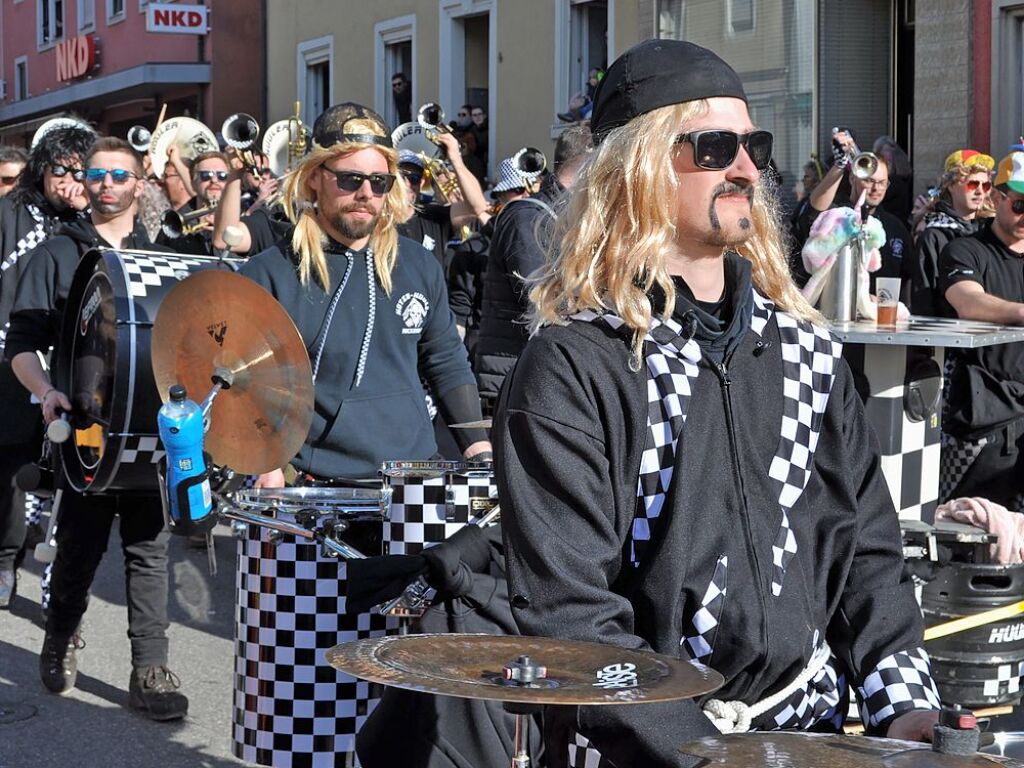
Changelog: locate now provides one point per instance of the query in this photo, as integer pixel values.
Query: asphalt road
(91, 726)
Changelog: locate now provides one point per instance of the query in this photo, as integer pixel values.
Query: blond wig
(309, 238)
(613, 241)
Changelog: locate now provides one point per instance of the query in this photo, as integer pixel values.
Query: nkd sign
(76, 57)
(177, 19)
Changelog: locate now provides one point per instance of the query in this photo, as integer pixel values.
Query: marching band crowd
(546, 299)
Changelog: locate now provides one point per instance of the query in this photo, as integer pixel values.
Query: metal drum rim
(428, 468)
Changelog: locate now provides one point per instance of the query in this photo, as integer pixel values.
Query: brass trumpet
(175, 225)
(436, 170)
(863, 165)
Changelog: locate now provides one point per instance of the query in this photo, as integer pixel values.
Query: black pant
(83, 528)
(996, 473)
(12, 501)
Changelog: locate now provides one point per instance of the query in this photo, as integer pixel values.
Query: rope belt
(736, 717)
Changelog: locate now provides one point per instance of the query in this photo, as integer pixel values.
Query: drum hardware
(815, 750)
(523, 672)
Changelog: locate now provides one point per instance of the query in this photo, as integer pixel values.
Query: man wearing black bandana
(683, 462)
(371, 306)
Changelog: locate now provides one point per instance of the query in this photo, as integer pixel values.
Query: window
(741, 17)
(588, 44)
(86, 15)
(115, 11)
(51, 22)
(315, 87)
(394, 57)
(670, 19)
(1007, 115)
(21, 78)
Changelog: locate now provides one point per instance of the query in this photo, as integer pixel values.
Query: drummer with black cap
(682, 459)
(370, 305)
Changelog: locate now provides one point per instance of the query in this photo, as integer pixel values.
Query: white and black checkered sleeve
(899, 683)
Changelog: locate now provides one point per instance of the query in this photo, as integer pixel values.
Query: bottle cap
(178, 393)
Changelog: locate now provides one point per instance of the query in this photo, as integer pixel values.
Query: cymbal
(814, 750)
(471, 667)
(216, 318)
(482, 424)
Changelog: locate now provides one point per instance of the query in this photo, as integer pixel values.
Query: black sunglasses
(9, 179)
(60, 171)
(350, 181)
(716, 150)
(1017, 205)
(210, 175)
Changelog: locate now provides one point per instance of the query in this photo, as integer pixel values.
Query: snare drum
(291, 707)
(103, 365)
(431, 500)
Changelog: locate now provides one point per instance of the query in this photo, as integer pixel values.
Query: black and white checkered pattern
(899, 683)
(1006, 682)
(699, 632)
(824, 699)
(583, 754)
(809, 359)
(32, 238)
(150, 270)
(671, 356)
(957, 458)
(144, 449)
(429, 510)
(291, 708)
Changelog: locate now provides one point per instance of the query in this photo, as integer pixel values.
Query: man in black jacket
(518, 247)
(113, 182)
(209, 176)
(683, 462)
(371, 307)
(49, 194)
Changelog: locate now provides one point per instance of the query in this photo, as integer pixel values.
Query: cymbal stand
(523, 672)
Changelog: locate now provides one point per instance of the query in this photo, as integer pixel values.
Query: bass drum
(103, 364)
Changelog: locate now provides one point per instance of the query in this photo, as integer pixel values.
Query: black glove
(376, 580)
(451, 564)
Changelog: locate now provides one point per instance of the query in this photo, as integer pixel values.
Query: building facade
(104, 61)
(522, 60)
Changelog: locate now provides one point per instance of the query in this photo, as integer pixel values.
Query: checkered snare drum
(103, 364)
(292, 709)
(431, 500)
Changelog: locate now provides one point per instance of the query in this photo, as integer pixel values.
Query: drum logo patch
(413, 309)
(89, 310)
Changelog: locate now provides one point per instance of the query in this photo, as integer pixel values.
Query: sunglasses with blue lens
(117, 175)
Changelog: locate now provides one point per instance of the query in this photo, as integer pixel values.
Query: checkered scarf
(36, 235)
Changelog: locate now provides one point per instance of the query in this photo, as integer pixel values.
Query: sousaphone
(190, 136)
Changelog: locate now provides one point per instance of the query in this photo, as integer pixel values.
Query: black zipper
(722, 370)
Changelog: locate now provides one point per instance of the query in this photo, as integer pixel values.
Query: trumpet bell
(431, 116)
(190, 136)
(530, 162)
(864, 165)
(240, 131)
(54, 124)
(139, 136)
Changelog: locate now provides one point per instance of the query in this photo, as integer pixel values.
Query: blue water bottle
(180, 423)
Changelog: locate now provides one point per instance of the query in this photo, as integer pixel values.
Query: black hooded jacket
(571, 434)
(941, 226)
(25, 222)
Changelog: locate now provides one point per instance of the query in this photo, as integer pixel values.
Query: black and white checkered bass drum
(432, 500)
(103, 365)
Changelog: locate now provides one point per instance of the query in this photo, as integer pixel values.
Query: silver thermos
(839, 295)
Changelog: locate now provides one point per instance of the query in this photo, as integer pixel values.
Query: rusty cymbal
(815, 750)
(471, 667)
(221, 319)
(482, 424)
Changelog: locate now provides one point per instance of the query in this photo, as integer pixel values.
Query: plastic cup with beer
(887, 289)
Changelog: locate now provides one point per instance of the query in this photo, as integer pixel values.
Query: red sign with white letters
(176, 19)
(76, 57)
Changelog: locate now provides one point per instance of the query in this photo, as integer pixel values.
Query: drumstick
(974, 621)
(160, 120)
(978, 713)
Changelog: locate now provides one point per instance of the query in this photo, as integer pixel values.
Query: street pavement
(91, 726)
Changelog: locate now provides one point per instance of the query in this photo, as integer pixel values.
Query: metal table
(881, 360)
